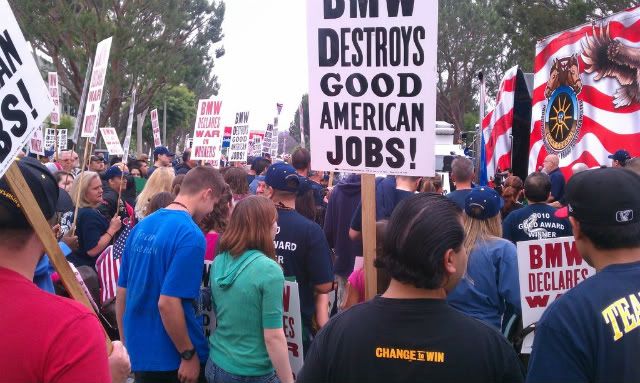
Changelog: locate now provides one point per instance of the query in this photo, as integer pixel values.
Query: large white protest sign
(547, 268)
(54, 93)
(62, 140)
(24, 97)
(292, 324)
(372, 94)
(207, 137)
(239, 138)
(111, 140)
(36, 144)
(127, 138)
(155, 126)
(94, 97)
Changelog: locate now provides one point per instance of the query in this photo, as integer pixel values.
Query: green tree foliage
(181, 114)
(294, 127)
(156, 44)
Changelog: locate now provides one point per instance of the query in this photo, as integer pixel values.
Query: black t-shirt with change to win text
(409, 340)
(303, 252)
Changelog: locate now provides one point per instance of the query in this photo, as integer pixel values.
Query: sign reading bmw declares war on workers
(372, 73)
(547, 269)
(24, 97)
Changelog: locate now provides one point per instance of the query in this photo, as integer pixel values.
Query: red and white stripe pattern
(605, 128)
(108, 269)
(497, 124)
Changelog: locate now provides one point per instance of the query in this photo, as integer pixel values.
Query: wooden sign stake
(77, 201)
(369, 234)
(43, 230)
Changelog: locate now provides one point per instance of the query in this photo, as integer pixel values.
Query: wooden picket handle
(30, 208)
(331, 177)
(78, 191)
(369, 234)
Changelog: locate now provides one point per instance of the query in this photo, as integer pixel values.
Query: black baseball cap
(43, 186)
(605, 196)
(162, 150)
(620, 155)
(95, 158)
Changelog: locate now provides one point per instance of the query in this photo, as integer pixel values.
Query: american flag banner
(108, 268)
(586, 98)
(497, 125)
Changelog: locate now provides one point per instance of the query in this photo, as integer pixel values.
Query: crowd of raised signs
(158, 241)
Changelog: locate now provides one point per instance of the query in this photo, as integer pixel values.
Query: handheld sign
(54, 90)
(62, 140)
(98, 73)
(226, 138)
(372, 99)
(155, 126)
(23, 95)
(207, 137)
(292, 324)
(547, 269)
(50, 138)
(127, 138)
(239, 138)
(36, 144)
(266, 140)
(111, 140)
(83, 101)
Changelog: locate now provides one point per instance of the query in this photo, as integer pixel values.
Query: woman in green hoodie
(246, 286)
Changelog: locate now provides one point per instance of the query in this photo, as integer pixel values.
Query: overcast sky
(265, 60)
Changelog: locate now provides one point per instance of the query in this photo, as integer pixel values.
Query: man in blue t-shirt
(537, 219)
(159, 282)
(592, 332)
(301, 247)
(462, 176)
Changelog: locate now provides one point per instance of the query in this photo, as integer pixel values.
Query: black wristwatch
(188, 354)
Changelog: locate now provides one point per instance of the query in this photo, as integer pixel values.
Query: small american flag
(108, 268)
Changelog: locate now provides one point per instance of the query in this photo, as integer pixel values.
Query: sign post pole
(369, 234)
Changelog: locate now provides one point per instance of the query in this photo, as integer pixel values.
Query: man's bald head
(551, 163)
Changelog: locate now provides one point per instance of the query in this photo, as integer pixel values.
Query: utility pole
(164, 124)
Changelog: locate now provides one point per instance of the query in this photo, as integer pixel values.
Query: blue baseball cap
(112, 172)
(282, 176)
(160, 150)
(483, 203)
(620, 156)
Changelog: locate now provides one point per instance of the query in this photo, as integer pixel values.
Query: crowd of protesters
(448, 273)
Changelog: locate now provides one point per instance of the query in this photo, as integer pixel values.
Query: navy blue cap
(48, 153)
(282, 176)
(483, 203)
(620, 155)
(162, 150)
(305, 185)
(112, 172)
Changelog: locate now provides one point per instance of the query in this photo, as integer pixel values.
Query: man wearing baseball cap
(301, 247)
(592, 332)
(96, 164)
(162, 158)
(46, 338)
(113, 180)
(619, 158)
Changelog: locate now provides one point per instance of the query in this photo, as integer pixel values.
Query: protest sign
(111, 140)
(372, 99)
(83, 100)
(23, 95)
(292, 324)
(62, 140)
(239, 138)
(94, 97)
(155, 125)
(206, 135)
(50, 138)
(205, 306)
(266, 139)
(54, 91)
(547, 269)
(250, 147)
(36, 144)
(127, 137)
(226, 138)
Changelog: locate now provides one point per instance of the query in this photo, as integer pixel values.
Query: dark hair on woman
(236, 178)
(306, 204)
(421, 230)
(60, 174)
(159, 201)
(218, 219)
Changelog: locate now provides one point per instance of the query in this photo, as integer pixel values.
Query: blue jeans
(215, 374)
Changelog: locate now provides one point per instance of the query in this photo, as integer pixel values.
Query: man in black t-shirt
(537, 219)
(592, 332)
(410, 334)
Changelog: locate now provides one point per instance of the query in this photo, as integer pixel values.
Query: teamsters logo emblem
(562, 116)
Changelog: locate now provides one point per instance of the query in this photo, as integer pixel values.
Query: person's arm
(172, 315)
(355, 229)
(278, 351)
(322, 309)
(106, 238)
(355, 235)
(508, 283)
(121, 304)
(353, 297)
(119, 364)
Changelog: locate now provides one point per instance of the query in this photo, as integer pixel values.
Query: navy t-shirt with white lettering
(592, 332)
(535, 221)
(303, 252)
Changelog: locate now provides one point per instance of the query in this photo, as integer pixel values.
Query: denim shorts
(215, 374)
